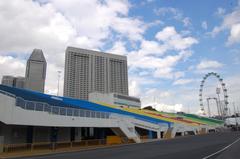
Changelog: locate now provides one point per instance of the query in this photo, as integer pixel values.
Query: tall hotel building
(91, 71)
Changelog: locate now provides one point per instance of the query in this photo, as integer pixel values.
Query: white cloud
(157, 99)
(186, 21)
(166, 10)
(220, 11)
(176, 13)
(154, 23)
(118, 48)
(164, 73)
(169, 108)
(52, 78)
(209, 64)
(171, 38)
(204, 25)
(151, 53)
(230, 22)
(150, 62)
(17, 67)
(152, 48)
(182, 81)
(145, 2)
(234, 34)
(52, 25)
(154, 95)
(179, 74)
(166, 33)
(168, 73)
(55, 24)
(233, 88)
(37, 26)
(10, 65)
(134, 88)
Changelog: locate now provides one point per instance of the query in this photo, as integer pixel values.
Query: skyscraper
(92, 71)
(36, 71)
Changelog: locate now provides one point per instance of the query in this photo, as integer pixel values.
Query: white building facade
(115, 99)
(89, 71)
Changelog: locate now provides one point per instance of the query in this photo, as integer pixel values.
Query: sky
(170, 44)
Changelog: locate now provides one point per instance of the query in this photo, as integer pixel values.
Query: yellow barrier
(114, 140)
(203, 131)
(144, 137)
(53, 146)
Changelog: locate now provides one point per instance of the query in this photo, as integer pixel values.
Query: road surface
(191, 147)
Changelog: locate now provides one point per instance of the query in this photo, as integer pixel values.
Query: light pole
(59, 76)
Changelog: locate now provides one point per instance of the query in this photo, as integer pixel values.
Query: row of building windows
(36, 106)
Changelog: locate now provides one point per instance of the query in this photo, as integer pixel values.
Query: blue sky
(170, 44)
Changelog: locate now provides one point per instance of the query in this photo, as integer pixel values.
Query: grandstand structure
(27, 116)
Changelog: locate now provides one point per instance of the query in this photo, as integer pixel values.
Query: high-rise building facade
(19, 82)
(92, 71)
(36, 71)
(12, 81)
(8, 80)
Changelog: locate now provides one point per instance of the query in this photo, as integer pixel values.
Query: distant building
(89, 71)
(115, 99)
(12, 81)
(36, 71)
(8, 80)
(19, 82)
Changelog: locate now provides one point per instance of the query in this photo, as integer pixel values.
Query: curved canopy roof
(75, 103)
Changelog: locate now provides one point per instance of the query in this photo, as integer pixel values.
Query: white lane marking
(221, 149)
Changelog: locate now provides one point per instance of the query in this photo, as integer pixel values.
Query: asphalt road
(191, 147)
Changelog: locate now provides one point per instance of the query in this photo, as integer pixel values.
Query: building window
(62, 111)
(55, 110)
(69, 112)
(39, 107)
(30, 105)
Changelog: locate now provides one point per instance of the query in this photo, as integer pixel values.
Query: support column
(150, 134)
(159, 134)
(99, 133)
(54, 133)
(78, 134)
(1, 143)
(72, 134)
(29, 137)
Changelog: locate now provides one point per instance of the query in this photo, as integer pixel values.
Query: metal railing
(7, 93)
(59, 110)
(55, 146)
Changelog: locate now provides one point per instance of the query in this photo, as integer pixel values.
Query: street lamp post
(59, 76)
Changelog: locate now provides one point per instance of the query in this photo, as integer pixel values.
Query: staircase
(125, 129)
(168, 134)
